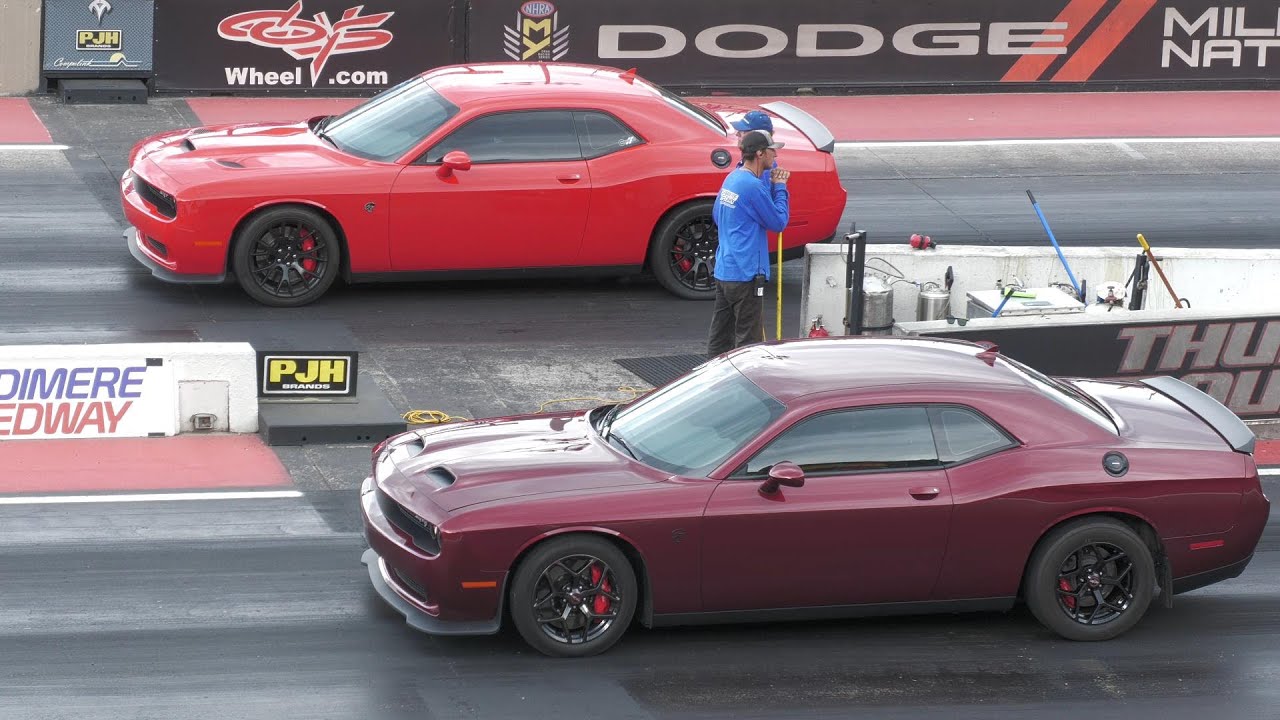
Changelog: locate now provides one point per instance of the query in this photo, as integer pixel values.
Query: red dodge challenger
(491, 169)
(818, 478)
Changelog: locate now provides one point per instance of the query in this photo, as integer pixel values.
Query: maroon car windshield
(691, 426)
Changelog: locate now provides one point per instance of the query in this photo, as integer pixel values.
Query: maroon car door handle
(571, 178)
(924, 493)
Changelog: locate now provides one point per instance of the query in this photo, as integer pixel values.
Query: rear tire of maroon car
(682, 255)
(1091, 579)
(573, 596)
(286, 256)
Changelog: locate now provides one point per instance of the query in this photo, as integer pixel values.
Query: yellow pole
(779, 286)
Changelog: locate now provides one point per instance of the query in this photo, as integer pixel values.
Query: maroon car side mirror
(455, 160)
(783, 473)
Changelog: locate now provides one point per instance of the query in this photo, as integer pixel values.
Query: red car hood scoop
(503, 460)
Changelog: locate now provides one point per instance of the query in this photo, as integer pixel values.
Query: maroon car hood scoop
(510, 459)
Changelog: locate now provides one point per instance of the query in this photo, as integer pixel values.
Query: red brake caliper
(1070, 600)
(601, 604)
(308, 244)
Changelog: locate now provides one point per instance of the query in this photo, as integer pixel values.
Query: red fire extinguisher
(816, 329)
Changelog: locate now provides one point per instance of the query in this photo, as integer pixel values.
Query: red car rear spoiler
(811, 126)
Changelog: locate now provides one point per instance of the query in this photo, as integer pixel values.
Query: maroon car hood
(512, 458)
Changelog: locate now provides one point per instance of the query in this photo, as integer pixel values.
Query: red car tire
(286, 256)
(682, 254)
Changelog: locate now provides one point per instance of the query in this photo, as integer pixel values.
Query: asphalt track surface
(260, 608)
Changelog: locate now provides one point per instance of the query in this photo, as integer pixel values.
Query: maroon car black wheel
(573, 596)
(576, 599)
(1095, 584)
(1091, 579)
(287, 257)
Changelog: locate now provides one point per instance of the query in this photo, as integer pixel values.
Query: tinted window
(853, 441)
(391, 123)
(600, 134)
(514, 137)
(692, 425)
(963, 435)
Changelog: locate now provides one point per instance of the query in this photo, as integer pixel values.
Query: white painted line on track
(34, 147)
(149, 497)
(1269, 471)
(1056, 141)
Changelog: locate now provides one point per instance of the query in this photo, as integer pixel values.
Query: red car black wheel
(287, 257)
(683, 254)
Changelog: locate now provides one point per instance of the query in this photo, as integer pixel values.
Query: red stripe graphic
(1076, 15)
(1081, 66)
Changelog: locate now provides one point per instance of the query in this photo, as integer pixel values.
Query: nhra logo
(537, 34)
(99, 40)
(312, 374)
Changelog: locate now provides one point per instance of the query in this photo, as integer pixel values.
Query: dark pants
(736, 319)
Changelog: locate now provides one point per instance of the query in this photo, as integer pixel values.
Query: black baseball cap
(757, 140)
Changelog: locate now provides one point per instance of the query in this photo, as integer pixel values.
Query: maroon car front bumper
(423, 588)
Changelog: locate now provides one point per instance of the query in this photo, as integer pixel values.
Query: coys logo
(537, 34)
(317, 39)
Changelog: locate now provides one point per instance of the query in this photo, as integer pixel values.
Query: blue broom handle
(1052, 239)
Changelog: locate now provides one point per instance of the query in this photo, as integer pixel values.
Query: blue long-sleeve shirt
(744, 211)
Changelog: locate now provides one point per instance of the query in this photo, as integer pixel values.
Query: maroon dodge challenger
(818, 478)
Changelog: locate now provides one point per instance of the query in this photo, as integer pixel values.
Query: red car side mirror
(783, 473)
(455, 160)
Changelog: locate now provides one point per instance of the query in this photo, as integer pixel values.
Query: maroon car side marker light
(1208, 544)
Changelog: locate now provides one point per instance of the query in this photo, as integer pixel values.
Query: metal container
(877, 306)
(934, 303)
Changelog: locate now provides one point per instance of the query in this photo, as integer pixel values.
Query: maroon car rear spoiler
(1207, 408)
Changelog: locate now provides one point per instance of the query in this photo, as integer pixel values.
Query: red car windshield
(694, 424)
(391, 123)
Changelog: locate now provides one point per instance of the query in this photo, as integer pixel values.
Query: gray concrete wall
(19, 46)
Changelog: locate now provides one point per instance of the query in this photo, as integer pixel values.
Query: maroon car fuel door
(505, 190)
(869, 525)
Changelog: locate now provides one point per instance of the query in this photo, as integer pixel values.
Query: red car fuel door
(869, 524)
(507, 190)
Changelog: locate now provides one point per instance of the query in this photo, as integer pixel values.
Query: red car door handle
(924, 493)
(571, 178)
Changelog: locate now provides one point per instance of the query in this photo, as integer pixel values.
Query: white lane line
(1269, 471)
(34, 147)
(1057, 141)
(149, 497)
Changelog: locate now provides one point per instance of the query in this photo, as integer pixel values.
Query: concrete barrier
(20, 30)
(1210, 279)
(127, 390)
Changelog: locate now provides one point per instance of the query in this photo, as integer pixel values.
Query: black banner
(298, 46)
(797, 43)
(1236, 360)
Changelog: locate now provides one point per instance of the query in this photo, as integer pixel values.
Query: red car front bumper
(170, 249)
(426, 588)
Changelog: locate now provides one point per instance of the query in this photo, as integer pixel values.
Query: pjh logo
(537, 33)
(317, 39)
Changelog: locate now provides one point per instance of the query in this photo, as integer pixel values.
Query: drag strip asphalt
(261, 609)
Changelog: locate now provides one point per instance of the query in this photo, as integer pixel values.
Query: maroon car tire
(286, 256)
(682, 254)
(1090, 580)
(559, 579)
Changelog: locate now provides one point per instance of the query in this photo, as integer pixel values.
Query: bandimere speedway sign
(60, 399)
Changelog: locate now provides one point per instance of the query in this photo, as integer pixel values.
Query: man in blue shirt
(744, 212)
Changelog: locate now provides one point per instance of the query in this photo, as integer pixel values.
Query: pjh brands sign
(298, 45)
(1234, 359)
(869, 42)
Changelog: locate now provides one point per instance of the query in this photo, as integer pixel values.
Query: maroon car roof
(791, 368)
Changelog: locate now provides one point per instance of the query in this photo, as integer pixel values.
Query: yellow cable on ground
(779, 286)
(436, 417)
